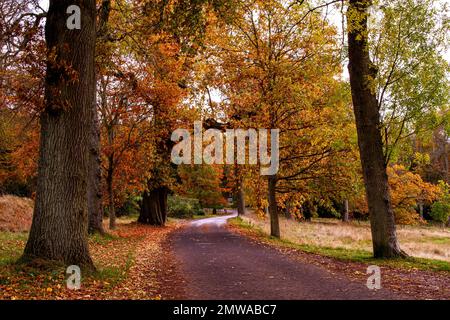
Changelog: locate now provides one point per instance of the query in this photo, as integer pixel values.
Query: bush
(180, 207)
(440, 211)
(130, 207)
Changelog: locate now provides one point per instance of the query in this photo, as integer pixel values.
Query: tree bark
(240, 198)
(154, 207)
(287, 210)
(446, 162)
(60, 220)
(109, 183)
(345, 215)
(365, 104)
(94, 184)
(273, 211)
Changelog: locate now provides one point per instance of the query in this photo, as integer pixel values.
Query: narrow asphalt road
(219, 264)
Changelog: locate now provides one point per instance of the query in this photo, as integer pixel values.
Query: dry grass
(418, 241)
(15, 213)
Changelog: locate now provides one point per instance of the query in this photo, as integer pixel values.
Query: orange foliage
(408, 190)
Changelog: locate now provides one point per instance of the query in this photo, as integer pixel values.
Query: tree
(279, 67)
(60, 221)
(367, 117)
(407, 38)
(202, 182)
(95, 209)
(21, 93)
(440, 210)
(408, 191)
(182, 23)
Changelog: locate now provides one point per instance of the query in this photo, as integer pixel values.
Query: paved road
(219, 264)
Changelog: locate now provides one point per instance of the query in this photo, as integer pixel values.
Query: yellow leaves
(407, 190)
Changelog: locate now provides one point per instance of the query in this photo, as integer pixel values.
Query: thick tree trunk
(365, 104)
(345, 215)
(60, 221)
(273, 211)
(240, 198)
(94, 188)
(154, 207)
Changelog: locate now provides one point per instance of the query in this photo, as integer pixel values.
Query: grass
(112, 274)
(113, 257)
(421, 241)
(341, 253)
(11, 246)
(102, 238)
(203, 216)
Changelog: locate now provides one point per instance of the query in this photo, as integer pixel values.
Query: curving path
(219, 264)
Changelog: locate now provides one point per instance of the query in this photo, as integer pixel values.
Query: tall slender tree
(60, 220)
(362, 73)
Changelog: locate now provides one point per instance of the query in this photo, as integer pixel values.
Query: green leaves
(408, 38)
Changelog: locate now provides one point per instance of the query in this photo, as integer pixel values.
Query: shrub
(440, 210)
(180, 207)
(130, 207)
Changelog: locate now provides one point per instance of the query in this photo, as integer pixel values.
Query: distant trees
(203, 183)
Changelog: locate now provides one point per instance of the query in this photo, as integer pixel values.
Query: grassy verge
(113, 255)
(203, 216)
(345, 254)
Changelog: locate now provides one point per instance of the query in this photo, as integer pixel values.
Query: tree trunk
(446, 162)
(94, 189)
(60, 221)
(154, 207)
(345, 215)
(421, 210)
(109, 183)
(308, 210)
(273, 211)
(240, 198)
(365, 104)
(287, 212)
